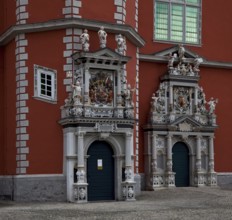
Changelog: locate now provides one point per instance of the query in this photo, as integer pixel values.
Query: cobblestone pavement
(178, 203)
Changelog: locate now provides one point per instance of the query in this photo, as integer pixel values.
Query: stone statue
(197, 62)
(102, 37)
(181, 52)
(171, 60)
(212, 105)
(121, 45)
(85, 40)
(76, 94)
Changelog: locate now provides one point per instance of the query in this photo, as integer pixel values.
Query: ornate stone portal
(99, 107)
(180, 113)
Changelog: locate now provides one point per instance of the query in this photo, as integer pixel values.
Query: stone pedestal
(170, 179)
(80, 192)
(128, 191)
(200, 179)
(212, 179)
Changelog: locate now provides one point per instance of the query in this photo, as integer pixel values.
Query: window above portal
(178, 21)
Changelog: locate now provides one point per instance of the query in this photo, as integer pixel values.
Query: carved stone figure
(181, 52)
(128, 96)
(85, 40)
(130, 192)
(128, 174)
(80, 176)
(82, 193)
(212, 105)
(197, 62)
(76, 94)
(121, 45)
(171, 60)
(102, 37)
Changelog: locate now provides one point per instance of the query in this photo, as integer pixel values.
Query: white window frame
(38, 70)
(184, 4)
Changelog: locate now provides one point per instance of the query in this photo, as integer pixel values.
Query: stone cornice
(126, 30)
(164, 59)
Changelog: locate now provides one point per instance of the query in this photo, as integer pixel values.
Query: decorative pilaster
(128, 187)
(195, 99)
(86, 90)
(212, 175)
(69, 147)
(170, 176)
(199, 177)
(171, 98)
(80, 188)
(198, 154)
(154, 154)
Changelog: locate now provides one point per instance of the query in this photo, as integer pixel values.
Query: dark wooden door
(100, 172)
(180, 159)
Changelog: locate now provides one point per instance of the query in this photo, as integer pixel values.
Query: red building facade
(46, 144)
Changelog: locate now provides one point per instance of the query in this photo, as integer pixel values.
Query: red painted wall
(9, 12)
(217, 84)
(130, 12)
(149, 78)
(1, 16)
(1, 111)
(10, 108)
(102, 10)
(43, 10)
(46, 137)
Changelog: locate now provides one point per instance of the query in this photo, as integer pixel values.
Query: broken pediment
(102, 56)
(188, 53)
(186, 124)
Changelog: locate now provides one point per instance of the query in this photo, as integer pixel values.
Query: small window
(178, 21)
(45, 83)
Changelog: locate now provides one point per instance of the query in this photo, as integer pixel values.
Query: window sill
(177, 42)
(45, 100)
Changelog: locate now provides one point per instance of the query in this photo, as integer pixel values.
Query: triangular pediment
(107, 52)
(173, 50)
(186, 123)
(102, 54)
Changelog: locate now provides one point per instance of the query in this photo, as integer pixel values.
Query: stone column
(128, 187)
(195, 97)
(154, 154)
(171, 97)
(169, 153)
(199, 177)
(212, 175)
(211, 154)
(198, 154)
(119, 89)
(86, 89)
(128, 154)
(80, 188)
(80, 158)
(170, 179)
(69, 145)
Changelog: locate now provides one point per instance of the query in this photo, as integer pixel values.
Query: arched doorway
(100, 172)
(180, 158)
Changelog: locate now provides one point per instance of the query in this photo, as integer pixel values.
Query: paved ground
(178, 203)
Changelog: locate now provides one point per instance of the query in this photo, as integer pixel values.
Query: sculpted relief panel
(101, 88)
